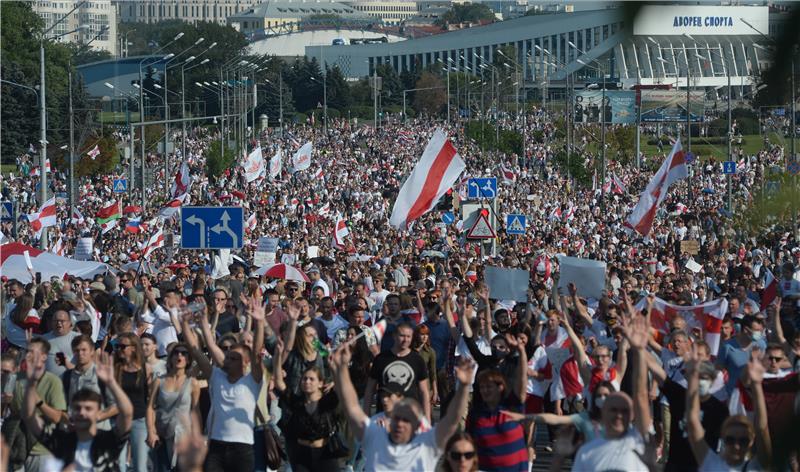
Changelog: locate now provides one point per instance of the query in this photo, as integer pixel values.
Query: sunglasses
(180, 352)
(775, 359)
(291, 289)
(123, 346)
(457, 456)
(225, 347)
(220, 299)
(742, 441)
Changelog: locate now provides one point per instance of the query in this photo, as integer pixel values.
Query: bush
(299, 118)
(362, 112)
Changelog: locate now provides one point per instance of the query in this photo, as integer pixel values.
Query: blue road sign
(212, 227)
(120, 185)
(690, 157)
(484, 187)
(7, 212)
(448, 217)
(772, 187)
(729, 167)
(793, 167)
(516, 224)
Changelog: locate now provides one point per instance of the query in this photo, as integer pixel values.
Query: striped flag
(770, 290)
(250, 224)
(379, 329)
(132, 226)
(94, 152)
(340, 232)
(156, 241)
(509, 177)
(434, 174)
(112, 211)
(108, 226)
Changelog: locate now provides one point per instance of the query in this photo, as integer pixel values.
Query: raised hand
(464, 371)
(104, 367)
(256, 309)
(754, 372)
(639, 333)
(691, 360)
(573, 290)
(483, 293)
(293, 310)
(35, 365)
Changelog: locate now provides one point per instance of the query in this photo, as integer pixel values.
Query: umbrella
(132, 209)
(323, 260)
(709, 191)
(430, 253)
(283, 271)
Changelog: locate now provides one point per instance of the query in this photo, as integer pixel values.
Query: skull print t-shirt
(408, 371)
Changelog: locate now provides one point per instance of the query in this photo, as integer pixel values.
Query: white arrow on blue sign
(729, 167)
(484, 187)
(212, 227)
(516, 224)
(448, 217)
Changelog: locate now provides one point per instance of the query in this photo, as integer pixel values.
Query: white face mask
(704, 387)
(599, 401)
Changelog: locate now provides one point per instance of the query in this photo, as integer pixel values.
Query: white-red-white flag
(173, 207)
(47, 165)
(250, 224)
(108, 226)
(340, 231)
(58, 247)
(619, 186)
(770, 292)
(182, 180)
(673, 169)
(509, 177)
(46, 216)
(434, 174)
(319, 173)
(156, 241)
(706, 317)
(77, 217)
(325, 210)
(94, 152)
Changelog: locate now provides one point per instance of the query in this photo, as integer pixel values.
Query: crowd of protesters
(395, 355)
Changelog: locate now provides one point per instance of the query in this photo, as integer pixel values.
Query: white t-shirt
(611, 454)
(162, 328)
(83, 457)
(714, 463)
(233, 407)
(421, 454)
(538, 362)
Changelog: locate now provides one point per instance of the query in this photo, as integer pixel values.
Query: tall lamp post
(43, 114)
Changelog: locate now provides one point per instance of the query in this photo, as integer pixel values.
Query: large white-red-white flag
(172, 207)
(250, 224)
(673, 169)
(156, 241)
(45, 217)
(434, 174)
(340, 231)
(509, 177)
(707, 317)
(275, 165)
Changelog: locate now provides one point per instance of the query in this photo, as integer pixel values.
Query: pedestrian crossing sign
(515, 224)
(481, 229)
(120, 185)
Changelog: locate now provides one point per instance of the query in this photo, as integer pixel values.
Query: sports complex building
(674, 45)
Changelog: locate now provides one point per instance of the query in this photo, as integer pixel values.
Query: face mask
(600, 401)
(757, 335)
(704, 387)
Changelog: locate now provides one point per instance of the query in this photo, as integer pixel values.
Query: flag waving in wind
(340, 232)
(182, 180)
(302, 158)
(434, 174)
(673, 169)
(707, 317)
(156, 241)
(94, 152)
(275, 165)
(254, 165)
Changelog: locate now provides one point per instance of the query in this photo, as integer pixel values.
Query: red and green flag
(109, 213)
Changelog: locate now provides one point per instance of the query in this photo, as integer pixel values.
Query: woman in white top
(738, 434)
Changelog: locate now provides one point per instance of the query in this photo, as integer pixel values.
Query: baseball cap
(393, 388)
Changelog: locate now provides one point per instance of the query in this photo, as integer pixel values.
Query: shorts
(534, 404)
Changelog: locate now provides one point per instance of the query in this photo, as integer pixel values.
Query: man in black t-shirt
(83, 446)
(713, 413)
(401, 365)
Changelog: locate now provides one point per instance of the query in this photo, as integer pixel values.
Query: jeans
(139, 450)
(228, 456)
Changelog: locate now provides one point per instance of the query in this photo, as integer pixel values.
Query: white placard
(507, 284)
(588, 275)
(288, 259)
(84, 249)
(692, 265)
(28, 262)
(261, 259)
(312, 251)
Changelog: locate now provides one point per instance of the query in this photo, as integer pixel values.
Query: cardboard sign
(690, 247)
(588, 275)
(507, 284)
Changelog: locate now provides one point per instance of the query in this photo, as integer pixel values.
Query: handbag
(273, 449)
(336, 447)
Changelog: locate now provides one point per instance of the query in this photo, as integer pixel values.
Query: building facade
(280, 17)
(390, 12)
(671, 45)
(190, 11)
(99, 17)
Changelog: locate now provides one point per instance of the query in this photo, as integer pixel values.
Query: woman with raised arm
(311, 427)
(172, 398)
(738, 433)
(133, 375)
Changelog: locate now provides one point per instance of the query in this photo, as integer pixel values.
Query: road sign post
(516, 224)
(212, 227)
(729, 167)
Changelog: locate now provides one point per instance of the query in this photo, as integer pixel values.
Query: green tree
(20, 31)
(104, 162)
(305, 79)
(338, 91)
(392, 88)
(466, 13)
(432, 101)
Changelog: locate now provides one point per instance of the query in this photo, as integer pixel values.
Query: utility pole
(730, 140)
(689, 123)
(280, 98)
(42, 141)
(375, 97)
(603, 137)
(72, 146)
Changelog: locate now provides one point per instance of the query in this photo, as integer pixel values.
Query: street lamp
(183, 96)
